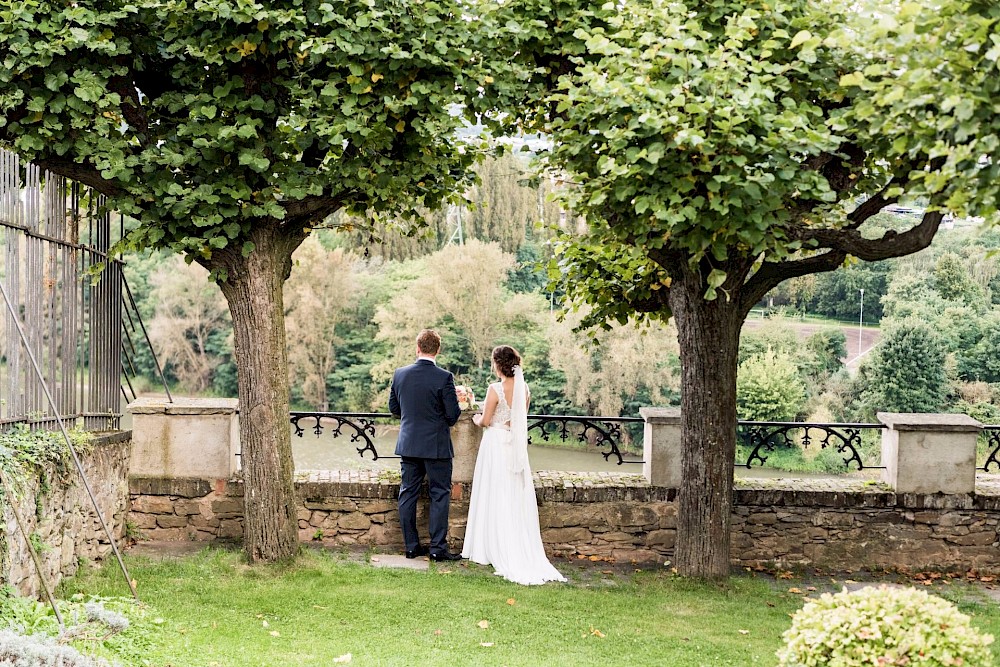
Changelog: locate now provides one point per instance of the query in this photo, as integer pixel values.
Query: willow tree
(718, 148)
(230, 129)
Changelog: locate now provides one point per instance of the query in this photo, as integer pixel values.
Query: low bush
(883, 626)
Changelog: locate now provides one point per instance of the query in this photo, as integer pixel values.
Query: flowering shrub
(885, 627)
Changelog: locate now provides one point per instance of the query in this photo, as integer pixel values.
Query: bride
(503, 515)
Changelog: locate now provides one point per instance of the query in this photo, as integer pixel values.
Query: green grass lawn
(211, 609)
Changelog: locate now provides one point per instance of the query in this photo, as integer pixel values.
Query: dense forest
(360, 291)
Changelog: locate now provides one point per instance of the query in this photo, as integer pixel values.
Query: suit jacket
(423, 397)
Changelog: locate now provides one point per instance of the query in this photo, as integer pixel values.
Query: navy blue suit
(423, 397)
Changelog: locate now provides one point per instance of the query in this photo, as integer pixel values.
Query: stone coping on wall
(945, 423)
(560, 486)
(183, 406)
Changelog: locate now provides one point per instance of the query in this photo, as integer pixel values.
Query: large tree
(231, 128)
(720, 147)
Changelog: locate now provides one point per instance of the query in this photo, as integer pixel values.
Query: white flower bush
(883, 627)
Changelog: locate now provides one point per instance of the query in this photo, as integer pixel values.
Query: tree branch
(771, 274)
(82, 173)
(892, 243)
(840, 243)
(310, 209)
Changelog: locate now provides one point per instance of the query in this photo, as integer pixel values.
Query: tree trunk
(253, 286)
(708, 332)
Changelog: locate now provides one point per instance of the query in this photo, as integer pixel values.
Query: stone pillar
(929, 453)
(191, 437)
(465, 437)
(661, 446)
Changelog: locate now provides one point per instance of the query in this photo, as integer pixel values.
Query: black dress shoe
(445, 556)
(419, 551)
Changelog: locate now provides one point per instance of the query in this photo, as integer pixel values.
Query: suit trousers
(438, 474)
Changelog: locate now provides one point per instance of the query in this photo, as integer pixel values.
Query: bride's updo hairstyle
(505, 358)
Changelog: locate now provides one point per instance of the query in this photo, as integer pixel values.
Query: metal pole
(861, 320)
(69, 443)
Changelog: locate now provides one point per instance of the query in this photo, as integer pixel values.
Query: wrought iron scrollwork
(992, 434)
(603, 431)
(762, 437)
(360, 426)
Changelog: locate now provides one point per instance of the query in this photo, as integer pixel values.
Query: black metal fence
(991, 439)
(82, 331)
(848, 447)
(603, 433)
(758, 440)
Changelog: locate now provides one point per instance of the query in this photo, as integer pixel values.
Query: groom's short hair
(429, 342)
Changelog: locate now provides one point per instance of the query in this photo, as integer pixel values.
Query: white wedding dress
(503, 530)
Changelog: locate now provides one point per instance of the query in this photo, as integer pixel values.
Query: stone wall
(834, 524)
(62, 516)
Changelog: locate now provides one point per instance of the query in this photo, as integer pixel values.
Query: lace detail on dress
(501, 416)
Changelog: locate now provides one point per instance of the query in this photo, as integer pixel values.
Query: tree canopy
(206, 118)
(718, 148)
(230, 129)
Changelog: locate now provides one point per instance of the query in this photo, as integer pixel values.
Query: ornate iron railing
(360, 427)
(608, 433)
(992, 435)
(602, 431)
(763, 437)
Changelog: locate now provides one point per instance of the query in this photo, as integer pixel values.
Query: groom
(423, 397)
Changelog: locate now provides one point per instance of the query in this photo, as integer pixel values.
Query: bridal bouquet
(466, 400)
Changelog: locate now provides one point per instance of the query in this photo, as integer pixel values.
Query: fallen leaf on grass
(596, 632)
(316, 606)
(264, 623)
(439, 632)
(483, 624)
(744, 632)
(486, 644)
(375, 560)
(511, 601)
(796, 591)
(344, 658)
(274, 633)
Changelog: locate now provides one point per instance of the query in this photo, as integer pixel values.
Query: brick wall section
(836, 524)
(63, 519)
